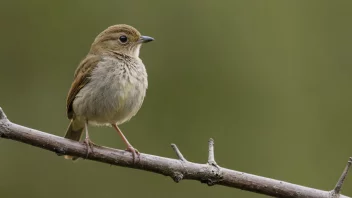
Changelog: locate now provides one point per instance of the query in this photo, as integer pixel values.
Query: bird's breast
(115, 92)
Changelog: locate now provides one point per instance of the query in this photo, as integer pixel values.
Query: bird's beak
(145, 39)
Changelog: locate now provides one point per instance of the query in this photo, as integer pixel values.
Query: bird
(109, 85)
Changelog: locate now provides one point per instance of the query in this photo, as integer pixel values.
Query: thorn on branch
(178, 153)
(338, 187)
(2, 115)
(216, 175)
(211, 158)
(178, 176)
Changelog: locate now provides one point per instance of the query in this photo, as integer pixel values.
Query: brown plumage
(82, 75)
(109, 84)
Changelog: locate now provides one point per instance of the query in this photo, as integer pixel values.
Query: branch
(178, 169)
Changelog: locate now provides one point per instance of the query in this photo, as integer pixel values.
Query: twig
(177, 169)
(2, 115)
(178, 153)
(211, 158)
(337, 190)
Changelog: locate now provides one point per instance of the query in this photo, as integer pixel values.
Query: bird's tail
(74, 132)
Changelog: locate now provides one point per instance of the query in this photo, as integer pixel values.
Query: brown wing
(81, 78)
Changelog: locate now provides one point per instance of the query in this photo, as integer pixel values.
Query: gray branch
(178, 169)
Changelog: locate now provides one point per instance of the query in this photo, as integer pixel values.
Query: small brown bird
(109, 84)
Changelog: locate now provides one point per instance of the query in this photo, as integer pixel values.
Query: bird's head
(121, 38)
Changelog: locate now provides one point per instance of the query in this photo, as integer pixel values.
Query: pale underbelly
(108, 104)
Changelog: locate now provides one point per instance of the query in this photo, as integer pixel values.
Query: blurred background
(268, 80)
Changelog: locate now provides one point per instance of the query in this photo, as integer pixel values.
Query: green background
(269, 80)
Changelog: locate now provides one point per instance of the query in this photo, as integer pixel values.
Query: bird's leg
(87, 140)
(130, 148)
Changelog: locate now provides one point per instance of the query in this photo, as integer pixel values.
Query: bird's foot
(90, 145)
(135, 153)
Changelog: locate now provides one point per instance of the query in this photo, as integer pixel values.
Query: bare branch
(177, 169)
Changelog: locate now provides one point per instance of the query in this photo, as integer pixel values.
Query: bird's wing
(81, 78)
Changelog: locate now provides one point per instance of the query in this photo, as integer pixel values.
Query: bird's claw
(90, 145)
(134, 152)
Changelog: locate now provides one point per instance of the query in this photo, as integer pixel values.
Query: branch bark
(178, 169)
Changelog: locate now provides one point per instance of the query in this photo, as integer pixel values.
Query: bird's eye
(123, 39)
